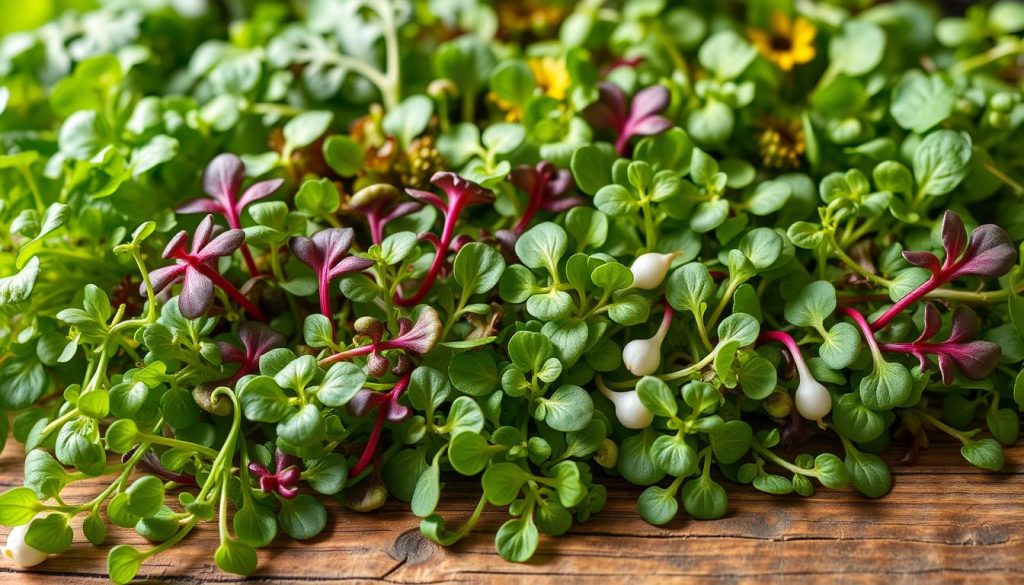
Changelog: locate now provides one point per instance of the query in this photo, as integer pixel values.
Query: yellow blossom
(551, 75)
(790, 42)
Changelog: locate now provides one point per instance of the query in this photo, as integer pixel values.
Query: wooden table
(944, 521)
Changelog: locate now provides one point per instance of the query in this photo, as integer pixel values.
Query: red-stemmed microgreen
(990, 252)
(388, 409)
(380, 204)
(284, 480)
(546, 187)
(197, 269)
(976, 358)
(413, 338)
(641, 117)
(222, 180)
(327, 254)
(460, 193)
(257, 339)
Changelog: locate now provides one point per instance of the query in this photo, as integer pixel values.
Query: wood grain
(944, 522)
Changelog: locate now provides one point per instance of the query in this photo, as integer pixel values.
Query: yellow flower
(791, 42)
(551, 75)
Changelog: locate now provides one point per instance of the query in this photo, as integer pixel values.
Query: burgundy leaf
(643, 117)
(990, 252)
(960, 351)
(327, 254)
(196, 295)
(197, 269)
(284, 480)
(257, 339)
(417, 339)
(222, 180)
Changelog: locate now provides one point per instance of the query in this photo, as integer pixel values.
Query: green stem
(994, 54)
(33, 187)
(177, 443)
(722, 304)
(767, 454)
(854, 265)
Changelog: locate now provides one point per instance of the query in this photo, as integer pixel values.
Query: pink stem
(348, 354)
(378, 425)
(230, 289)
(666, 316)
(862, 324)
(435, 267)
(376, 227)
(930, 348)
(250, 263)
(536, 197)
(933, 282)
(371, 442)
(785, 339)
(324, 288)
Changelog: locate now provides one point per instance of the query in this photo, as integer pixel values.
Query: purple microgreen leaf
(990, 253)
(418, 338)
(222, 180)
(257, 339)
(643, 117)
(327, 254)
(196, 295)
(197, 269)
(954, 236)
(960, 351)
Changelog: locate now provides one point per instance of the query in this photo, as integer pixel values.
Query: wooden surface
(944, 522)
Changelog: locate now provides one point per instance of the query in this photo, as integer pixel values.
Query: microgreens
(640, 117)
(196, 269)
(222, 180)
(791, 187)
(460, 193)
(327, 254)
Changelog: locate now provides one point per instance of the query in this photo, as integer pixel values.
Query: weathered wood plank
(944, 522)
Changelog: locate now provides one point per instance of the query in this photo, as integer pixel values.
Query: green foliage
(442, 254)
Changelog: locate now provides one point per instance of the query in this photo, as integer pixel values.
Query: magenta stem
(324, 290)
(931, 348)
(785, 339)
(454, 210)
(933, 282)
(371, 442)
(536, 198)
(230, 289)
(235, 223)
(349, 354)
(865, 329)
(378, 424)
(666, 316)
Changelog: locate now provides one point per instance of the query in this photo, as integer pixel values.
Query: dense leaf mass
(257, 254)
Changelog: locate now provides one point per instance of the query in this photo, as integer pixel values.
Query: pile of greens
(259, 254)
